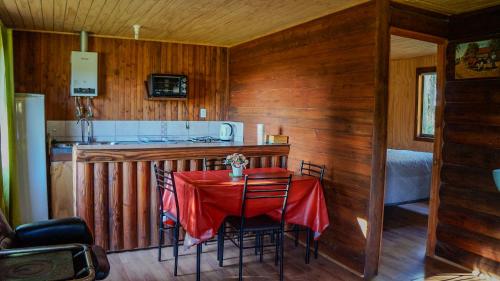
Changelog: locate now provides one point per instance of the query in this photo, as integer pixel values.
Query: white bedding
(407, 176)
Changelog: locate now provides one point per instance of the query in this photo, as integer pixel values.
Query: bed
(407, 176)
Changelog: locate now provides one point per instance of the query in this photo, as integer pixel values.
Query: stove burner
(206, 139)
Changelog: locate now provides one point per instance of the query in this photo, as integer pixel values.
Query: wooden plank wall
(419, 20)
(468, 232)
(315, 83)
(402, 98)
(42, 63)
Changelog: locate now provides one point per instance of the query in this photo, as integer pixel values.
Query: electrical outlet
(203, 113)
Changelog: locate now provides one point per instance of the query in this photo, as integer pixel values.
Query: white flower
(236, 160)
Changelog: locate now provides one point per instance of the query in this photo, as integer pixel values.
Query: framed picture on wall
(478, 59)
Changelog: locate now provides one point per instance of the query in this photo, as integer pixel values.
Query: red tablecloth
(207, 197)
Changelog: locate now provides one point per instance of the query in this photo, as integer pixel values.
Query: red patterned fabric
(207, 197)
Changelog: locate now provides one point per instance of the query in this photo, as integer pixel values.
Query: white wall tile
(104, 128)
(127, 128)
(73, 129)
(104, 138)
(56, 128)
(198, 128)
(131, 130)
(150, 128)
(126, 138)
(214, 128)
(177, 128)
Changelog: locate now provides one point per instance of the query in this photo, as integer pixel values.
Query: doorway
(414, 131)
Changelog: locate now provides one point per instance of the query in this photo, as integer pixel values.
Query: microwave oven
(167, 86)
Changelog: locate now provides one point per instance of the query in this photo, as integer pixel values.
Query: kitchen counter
(115, 190)
(163, 151)
(166, 145)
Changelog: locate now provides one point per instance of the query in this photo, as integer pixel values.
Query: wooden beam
(379, 140)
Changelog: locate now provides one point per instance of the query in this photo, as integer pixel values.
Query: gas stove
(205, 139)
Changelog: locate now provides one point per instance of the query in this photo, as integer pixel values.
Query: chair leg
(276, 250)
(282, 244)
(198, 261)
(316, 242)
(160, 242)
(176, 248)
(296, 233)
(218, 244)
(256, 248)
(308, 245)
(261, 243)
(240, 275)
(221, 245)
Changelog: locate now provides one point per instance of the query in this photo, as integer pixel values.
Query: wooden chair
(210, 164)
(263, 224)
(165, 182)
(318, 171)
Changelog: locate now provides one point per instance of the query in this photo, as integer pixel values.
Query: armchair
(70, 234)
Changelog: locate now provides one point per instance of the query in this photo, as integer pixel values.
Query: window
(426, 103)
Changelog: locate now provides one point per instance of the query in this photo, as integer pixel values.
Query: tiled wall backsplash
(135, 130)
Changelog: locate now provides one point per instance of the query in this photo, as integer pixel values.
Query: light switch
(203, 113)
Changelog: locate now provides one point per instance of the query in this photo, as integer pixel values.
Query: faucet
(84, 114)
(90, 133)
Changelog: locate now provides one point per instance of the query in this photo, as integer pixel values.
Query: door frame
(442, 44)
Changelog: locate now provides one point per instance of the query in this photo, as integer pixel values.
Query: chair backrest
(165, 182)
(266, 189)
(215, 164)
(308, 168)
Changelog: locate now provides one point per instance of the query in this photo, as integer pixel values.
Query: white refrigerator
(31, 156)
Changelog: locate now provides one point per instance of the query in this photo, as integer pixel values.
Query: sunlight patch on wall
(363, 225)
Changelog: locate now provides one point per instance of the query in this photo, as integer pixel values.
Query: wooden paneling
(315, 83)
(476, 23)
(402, 98)
(43, 65)
(101, 209)
(61, 191)
(469, 216)
(215, 22)
(419, 20)
(115, 186)
(450, 7)
(374, 222)
(469, 199)
(118, 198)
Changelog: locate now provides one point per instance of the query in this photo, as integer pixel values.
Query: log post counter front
(115, 188)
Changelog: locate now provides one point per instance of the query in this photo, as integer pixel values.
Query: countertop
(162, 145)
(66, 153)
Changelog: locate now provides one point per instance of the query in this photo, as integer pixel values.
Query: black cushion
(256, 223)
(53, 232)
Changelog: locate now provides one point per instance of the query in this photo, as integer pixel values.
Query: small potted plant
(237, 162)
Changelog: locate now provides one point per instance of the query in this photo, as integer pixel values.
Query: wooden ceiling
(450, 7)
(211, 22)
(402, 48)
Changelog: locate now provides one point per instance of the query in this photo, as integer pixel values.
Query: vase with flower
(238, 162)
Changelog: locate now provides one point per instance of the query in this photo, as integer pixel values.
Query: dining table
(206, 198)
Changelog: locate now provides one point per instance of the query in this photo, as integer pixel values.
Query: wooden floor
(403, 259)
